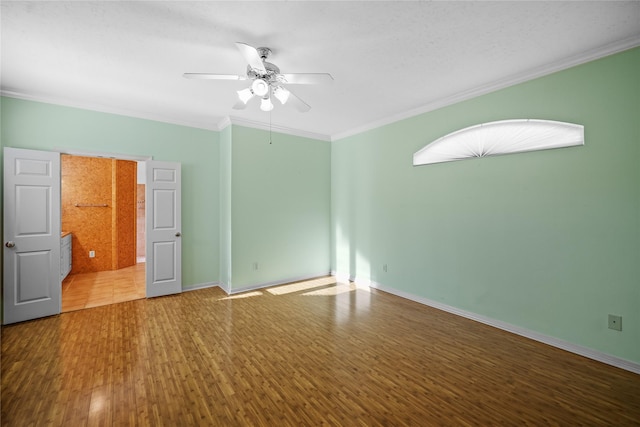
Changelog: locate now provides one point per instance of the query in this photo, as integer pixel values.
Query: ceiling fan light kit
(266, 80)
(281, 94)
(266, 104)
(259, 87)
(245, 95)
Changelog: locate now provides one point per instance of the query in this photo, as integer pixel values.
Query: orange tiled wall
(125, 193)
(89, 180)
(140, 220)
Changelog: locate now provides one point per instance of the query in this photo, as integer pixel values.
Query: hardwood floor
(88, 290)
(309, 353)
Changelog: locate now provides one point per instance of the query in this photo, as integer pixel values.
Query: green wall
(225, 208)
(40, 126)
(548, 241)
(245, 201)
(280, 207)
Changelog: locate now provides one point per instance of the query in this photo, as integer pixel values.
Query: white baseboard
(200, 286)
(224, 286)
(275, 283)
(340, 277)
(527, 333)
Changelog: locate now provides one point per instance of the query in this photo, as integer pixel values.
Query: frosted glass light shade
(502, 137)
(282, 94)
(266, 104)
(245, 95)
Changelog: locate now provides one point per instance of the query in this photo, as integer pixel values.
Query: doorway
(103, 215)
(34, 260)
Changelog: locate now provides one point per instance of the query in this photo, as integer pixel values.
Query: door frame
(104, 155)
(98, 154)
(86, 153)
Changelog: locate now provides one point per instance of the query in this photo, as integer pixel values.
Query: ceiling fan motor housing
(264, 52)
(266, 80)
(270, 76)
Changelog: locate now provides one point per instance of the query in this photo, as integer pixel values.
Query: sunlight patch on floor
(362, 286)
(244, 295)
(302, 286)
(334, 290)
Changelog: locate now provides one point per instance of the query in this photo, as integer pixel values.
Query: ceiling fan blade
(306, 78)
(239, 105)
(209, 76)
(300, 105)
(252, 57)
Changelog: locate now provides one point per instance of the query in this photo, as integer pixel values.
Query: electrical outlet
(92, 254)
(384, 267)
(615, 322)
(254, 266)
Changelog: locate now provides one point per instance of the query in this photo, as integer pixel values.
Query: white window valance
(501, 137)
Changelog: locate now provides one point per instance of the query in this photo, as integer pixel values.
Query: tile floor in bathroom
(86, 290)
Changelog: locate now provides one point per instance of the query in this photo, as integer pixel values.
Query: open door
(163, 229)
(31, 234)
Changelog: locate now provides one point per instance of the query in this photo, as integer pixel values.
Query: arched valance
(502, 137)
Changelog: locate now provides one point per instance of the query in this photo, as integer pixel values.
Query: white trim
(280, 129)
(572, 61)
(214, 125)
(508, 81)
(225, 122)
(102, 154)
(110, 110)
(590, 353)
(200, 286)
(341, 277)
(225, 287)
(276, 282)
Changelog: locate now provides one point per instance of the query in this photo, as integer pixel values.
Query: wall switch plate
(615, 322)
(254, 266)
(92, 254)
(384, 268)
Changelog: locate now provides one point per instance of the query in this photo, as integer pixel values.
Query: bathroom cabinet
(65, 255)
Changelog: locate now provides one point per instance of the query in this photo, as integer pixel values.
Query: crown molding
(572, 61)
(109, 110)
(214, 126)
(276, 128)
(566, 63)
(224, 122)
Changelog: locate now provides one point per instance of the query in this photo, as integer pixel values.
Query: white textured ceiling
(389, 59)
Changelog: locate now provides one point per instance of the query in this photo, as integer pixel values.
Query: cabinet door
(65, 255)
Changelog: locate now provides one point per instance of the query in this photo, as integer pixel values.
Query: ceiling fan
(266, 80)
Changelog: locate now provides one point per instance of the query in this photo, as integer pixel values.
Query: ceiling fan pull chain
(270, 142)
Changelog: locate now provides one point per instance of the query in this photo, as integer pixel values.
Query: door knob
(178, 234)
(10, 244)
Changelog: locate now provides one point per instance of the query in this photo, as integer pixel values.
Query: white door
(164, 242)
(31, 234)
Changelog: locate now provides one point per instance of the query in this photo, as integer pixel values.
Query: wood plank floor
(309, 353)
(87, 290)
